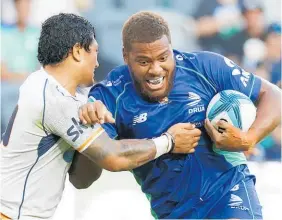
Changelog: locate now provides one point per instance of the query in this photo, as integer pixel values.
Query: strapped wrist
(163, 144)
(171, 141)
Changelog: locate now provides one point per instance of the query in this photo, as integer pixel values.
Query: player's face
(254, 19)
(152, 68)
(90, 63)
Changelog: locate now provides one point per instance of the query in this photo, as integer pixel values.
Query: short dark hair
(250, 5)
(59, 34)
(144, 27)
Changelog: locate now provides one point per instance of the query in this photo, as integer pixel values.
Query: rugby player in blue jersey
(158, 87)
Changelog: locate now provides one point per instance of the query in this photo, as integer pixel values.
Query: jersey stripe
(251, 91)
(20, 207)
(199, 74)
(95, 135)
(118, 98)
(24, 189)
(44, 105)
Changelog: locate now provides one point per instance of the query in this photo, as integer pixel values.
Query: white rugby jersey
(38, 146)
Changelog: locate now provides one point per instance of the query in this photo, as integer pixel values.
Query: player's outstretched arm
(128, 154)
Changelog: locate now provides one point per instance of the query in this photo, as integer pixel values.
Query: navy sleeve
(224, 74)
(105, 95)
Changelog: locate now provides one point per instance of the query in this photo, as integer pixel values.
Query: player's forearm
(135, 153)
(122, 155)
(126, 154)
(268, 113)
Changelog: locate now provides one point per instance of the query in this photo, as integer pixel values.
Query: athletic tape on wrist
(163, 145)
(171, 141)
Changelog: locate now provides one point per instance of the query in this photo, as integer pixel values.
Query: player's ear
(125, 55)
(77, 52)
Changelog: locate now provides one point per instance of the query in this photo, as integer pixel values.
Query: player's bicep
(62, 120)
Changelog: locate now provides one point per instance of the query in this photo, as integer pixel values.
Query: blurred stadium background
(246, 31)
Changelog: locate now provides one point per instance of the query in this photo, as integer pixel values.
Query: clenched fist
(95, 112)
(186, 137)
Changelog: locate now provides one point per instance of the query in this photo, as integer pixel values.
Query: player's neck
(64, 77)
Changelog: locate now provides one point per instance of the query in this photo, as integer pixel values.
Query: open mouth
(156, 83)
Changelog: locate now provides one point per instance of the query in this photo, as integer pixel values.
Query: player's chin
(157, 95)
(89, 83)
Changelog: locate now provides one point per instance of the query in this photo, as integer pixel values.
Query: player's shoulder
(199, 61)
(117, 77)
(198, 57)
(57, 98)
(115, 81)
(33, 86)
(40, 88)
(31, 99)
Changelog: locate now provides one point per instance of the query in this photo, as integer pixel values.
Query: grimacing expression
(152, 68)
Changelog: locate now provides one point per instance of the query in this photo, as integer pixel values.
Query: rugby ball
(233, 107)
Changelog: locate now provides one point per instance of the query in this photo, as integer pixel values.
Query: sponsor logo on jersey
(198, 124)
(196, 109)
(179, 57)
(76, 129)
(243, 208)
(235, 200)
(164, 101)
(109, 84)
(140, 118)
(194, 100)
(244, 76)
(235, 188)
(114, 82)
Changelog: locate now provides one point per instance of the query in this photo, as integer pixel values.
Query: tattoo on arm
(138, 152)
(120, 155)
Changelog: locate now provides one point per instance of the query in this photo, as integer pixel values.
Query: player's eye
(163, 59)
(143, 62)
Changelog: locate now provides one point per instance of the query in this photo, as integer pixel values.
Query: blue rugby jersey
(177, 185)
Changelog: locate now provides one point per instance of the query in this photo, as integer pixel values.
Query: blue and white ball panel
(233, 106)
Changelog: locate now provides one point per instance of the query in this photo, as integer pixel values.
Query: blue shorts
(240, 203)
(235, 198)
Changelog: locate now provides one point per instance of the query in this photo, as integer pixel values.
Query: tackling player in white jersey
(44, 131)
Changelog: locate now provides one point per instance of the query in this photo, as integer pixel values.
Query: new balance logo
(140, 118)
(193, 98)
(76, 129)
